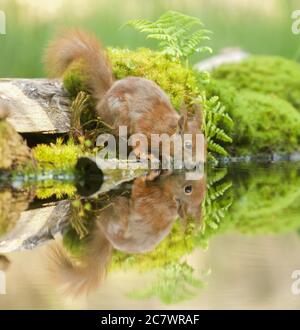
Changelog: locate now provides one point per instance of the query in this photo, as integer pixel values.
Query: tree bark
(36, 105)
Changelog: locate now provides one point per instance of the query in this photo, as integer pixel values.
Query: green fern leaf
(176, 33)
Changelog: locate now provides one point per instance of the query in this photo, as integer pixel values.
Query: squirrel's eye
(188, 145)
(188, 189)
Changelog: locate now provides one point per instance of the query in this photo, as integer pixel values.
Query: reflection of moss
(176, 245)
(13, 150)
(76, 237)
(74, 244)
(55, 188)
(268, 202)
(265, 201)
(11, 206)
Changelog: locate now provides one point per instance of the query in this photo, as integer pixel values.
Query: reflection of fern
(215, 118)
(179, 35)
(216, 203)
(175, 283)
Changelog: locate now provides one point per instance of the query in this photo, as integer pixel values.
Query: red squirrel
(138, 103)
(131, 224)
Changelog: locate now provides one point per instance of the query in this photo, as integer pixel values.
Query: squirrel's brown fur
(80, 276)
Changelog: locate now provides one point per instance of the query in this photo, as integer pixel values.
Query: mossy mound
(264, 123)
(261, 95)
(179, 82)
(265, 74)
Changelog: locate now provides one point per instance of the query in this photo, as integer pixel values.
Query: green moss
(265, 74)
(262, 96)
(74, 78)
(57, 156)
(262, 122)
(178, 82)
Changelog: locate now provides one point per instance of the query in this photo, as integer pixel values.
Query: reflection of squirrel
(139, 224)
(133, 224)
(137, 103)
(76, 276)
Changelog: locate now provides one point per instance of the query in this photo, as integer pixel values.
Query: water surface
(228, 240)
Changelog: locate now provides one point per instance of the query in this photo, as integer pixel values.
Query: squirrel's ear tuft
(182, 210)
(198, 114)
(181, 124)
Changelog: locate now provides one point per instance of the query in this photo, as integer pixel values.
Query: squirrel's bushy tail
(79, 45)
(74, 277)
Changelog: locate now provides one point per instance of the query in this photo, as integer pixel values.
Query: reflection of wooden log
(36, 105)
(35, 227)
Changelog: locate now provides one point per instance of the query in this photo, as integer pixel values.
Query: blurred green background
(260, 27)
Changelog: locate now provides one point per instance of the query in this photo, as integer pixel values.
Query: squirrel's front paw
(152, 175)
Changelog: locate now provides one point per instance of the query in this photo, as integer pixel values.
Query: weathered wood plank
(36, 105)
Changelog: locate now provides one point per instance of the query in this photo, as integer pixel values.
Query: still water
(228, 240)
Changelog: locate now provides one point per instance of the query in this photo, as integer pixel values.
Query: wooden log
(36, 105)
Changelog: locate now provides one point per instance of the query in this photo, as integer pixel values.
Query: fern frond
(213, 146)
(176, 33)
(216, 119)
